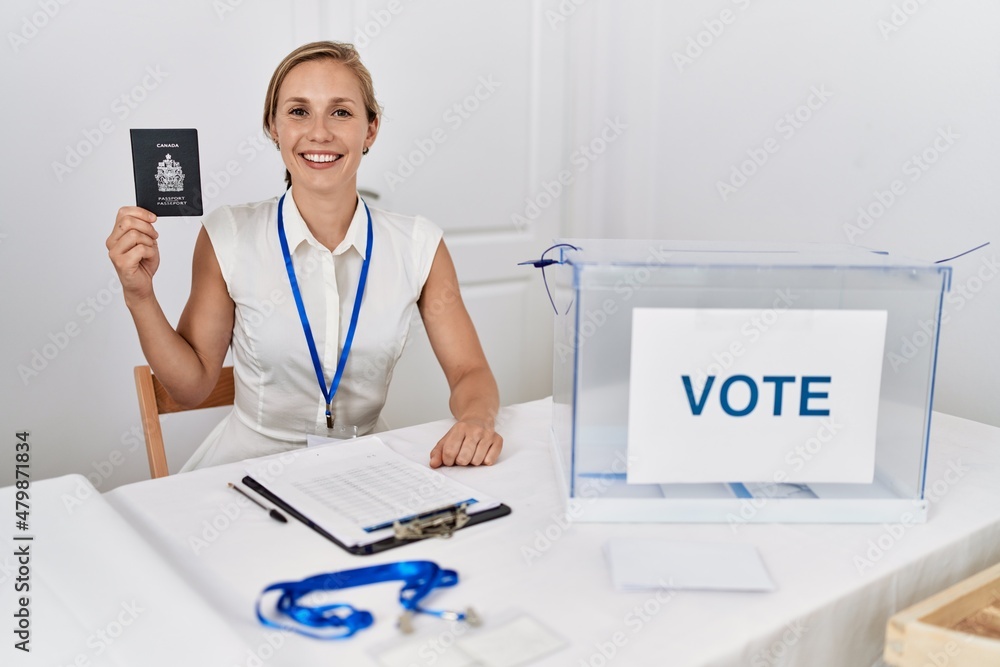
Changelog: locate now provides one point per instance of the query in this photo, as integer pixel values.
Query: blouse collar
(297, 231)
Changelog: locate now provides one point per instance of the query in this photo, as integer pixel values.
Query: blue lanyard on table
(328, 394)
(339, 620)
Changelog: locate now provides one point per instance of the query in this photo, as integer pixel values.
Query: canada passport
(167, 172)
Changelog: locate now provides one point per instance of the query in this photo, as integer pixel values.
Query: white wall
(895, 78)
(66, 73)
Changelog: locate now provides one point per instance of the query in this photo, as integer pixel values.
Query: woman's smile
(321, 160)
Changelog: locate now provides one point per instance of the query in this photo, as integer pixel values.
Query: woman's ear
(372, 132)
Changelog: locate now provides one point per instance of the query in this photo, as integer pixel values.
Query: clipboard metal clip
(439, 524)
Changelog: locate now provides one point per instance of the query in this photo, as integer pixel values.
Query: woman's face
(321, 126)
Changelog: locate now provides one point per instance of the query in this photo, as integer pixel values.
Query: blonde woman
(312, 289)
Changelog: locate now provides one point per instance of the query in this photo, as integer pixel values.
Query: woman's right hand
(133, 250)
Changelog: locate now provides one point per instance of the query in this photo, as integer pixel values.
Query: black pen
(275, 514)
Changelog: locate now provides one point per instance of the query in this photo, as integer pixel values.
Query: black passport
(167, 171)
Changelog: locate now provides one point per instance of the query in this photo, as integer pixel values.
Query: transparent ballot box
(699, 382)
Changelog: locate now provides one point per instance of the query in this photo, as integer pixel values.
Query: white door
(471, 137)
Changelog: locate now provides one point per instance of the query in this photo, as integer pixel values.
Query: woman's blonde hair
(338, 51)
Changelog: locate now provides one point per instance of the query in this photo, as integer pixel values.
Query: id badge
(339, 431)
(336, 430)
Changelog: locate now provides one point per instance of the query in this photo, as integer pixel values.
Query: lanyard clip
(405, 622)
(329, 415)
(469, 617)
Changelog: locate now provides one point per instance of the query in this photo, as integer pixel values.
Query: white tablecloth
(837, 584)
(98, 594)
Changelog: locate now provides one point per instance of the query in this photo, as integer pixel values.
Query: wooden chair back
(155, 401)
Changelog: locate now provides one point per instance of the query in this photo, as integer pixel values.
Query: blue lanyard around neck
(328, 394)
(339, 620)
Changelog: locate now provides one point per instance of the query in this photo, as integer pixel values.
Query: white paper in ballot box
(713, 398)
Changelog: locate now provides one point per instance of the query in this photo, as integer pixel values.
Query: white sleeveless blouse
(278, 400)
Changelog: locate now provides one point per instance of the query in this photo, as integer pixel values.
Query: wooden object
(155, 401)
(958, 627)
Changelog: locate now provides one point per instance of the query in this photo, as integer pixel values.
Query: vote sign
(744, 395)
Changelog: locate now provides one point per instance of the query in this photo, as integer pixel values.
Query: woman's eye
(297, 112)
(342, 113)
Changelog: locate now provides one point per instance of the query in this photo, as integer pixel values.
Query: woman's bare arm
(474, 396)
(186, 360)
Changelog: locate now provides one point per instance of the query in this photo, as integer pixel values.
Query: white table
(216, 554)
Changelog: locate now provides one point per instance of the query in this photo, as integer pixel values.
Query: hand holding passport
(167, 171)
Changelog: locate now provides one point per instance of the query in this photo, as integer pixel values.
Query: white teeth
(312, 157)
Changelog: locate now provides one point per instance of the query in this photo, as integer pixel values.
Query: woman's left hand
(468, 442)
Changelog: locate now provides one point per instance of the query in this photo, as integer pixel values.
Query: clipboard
(389, 542)
(366, 498)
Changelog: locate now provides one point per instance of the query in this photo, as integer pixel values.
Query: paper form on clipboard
(355, 490)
